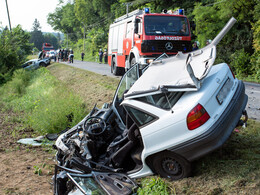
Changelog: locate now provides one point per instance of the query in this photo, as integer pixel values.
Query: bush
(240, 62)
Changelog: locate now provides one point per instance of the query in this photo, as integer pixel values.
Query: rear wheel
(117, 71)
(133, 61)
(170, 165)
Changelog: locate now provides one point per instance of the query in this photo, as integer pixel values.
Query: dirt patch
(23, 169)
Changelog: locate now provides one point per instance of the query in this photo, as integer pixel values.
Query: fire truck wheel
(114, 69)
(133, 61)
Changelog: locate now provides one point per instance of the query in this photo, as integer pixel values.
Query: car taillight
(197, 117)
(231, 71)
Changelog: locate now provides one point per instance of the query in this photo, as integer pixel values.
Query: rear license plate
(224, 91)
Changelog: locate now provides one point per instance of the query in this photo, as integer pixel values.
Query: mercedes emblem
(168, 46)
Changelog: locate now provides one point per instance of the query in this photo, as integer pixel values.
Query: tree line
(90, 19)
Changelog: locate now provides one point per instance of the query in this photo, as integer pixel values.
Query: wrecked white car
(161, 119)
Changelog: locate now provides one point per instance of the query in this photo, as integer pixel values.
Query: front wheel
(42, 64)
(170, 165)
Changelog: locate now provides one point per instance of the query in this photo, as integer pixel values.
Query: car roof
(32, 60)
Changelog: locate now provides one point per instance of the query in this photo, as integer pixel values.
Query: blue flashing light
(180, 11)
(146, 10)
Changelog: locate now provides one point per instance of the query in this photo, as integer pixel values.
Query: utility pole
(8, 15)
(84, 34)
(67, 39)
(127, 6)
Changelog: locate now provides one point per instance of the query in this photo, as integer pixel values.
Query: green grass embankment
(50, 105)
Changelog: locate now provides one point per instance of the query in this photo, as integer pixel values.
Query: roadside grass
(47, 105)
(91, 87)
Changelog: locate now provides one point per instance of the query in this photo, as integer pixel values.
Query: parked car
(162, 118)
(52, 54)
(36, 63)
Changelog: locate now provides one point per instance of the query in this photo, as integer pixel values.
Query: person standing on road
(71, 56)
(62, 55)
(82, 55)
(100, 53)
(105, 56)
(195, 46)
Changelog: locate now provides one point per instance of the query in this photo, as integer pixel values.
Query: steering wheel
(94, 125)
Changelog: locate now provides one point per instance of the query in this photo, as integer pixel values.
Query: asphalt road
(252, 89)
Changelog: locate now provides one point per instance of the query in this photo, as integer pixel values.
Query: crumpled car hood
(183, 72)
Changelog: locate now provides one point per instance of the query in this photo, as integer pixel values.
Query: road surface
(252, 89)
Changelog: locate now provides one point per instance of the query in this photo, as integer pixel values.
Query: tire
(133, 61)
(117, 71)
(42, 64)
(170, 165)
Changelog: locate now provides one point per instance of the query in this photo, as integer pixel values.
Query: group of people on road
(101, 54)
(65, 55)
(196, 44)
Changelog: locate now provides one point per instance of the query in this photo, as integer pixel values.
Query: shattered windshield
(166, 25)
(126, 82)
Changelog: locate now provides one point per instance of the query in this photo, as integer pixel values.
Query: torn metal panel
(183, 72)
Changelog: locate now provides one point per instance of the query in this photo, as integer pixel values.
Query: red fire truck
(141, 36)
(47, 47)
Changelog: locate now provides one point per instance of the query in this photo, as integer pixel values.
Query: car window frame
(155, 118)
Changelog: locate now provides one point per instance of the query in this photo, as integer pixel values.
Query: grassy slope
(233, 169)
(92, 87)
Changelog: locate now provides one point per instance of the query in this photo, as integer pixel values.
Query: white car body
(35, 63)
(174, 112)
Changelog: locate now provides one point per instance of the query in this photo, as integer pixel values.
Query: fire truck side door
(128, 38)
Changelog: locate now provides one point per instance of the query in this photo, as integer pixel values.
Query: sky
(24, 12)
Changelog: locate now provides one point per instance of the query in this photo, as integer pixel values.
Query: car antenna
(165, 90)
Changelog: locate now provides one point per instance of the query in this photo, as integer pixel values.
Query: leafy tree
(50, 38)
(36, 35)
(211, 19)
(64, 20)
(14, 47)
(255, 60)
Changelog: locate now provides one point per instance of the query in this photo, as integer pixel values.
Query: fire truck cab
(47, 47)
(141, 36)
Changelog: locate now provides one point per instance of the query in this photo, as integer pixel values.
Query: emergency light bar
(146, 10)
(176, 12)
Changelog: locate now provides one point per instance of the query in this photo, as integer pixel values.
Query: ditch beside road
(252, 89)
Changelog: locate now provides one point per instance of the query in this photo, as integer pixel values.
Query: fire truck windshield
(166, 25)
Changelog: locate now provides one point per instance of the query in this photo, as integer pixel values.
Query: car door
(91, 183)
